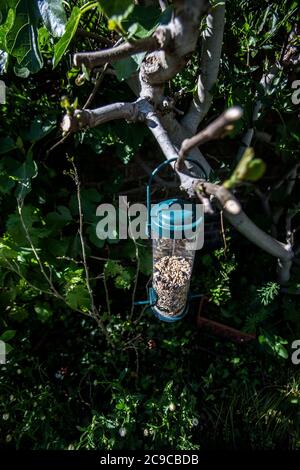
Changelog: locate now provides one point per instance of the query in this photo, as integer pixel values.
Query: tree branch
(234, 213)
(266, 83)
(160, 66)
(163, 5)
(212, 40)
(113, 54)
(213, 131)
(161, 135)
(91, 118)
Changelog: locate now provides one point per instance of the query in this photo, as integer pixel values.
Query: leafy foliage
(99, 372)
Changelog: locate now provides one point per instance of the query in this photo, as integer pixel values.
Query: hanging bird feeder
(174, 225)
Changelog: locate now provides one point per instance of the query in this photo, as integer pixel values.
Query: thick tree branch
(155, 125)
(113, 54)
(234, 213)
(213, 131)
(160, 66)
(212, 40)
(83, 118)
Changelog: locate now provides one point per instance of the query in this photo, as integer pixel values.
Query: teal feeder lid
(174, 219)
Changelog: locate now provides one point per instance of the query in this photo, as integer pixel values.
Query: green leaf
(118, 9)
(7, 252)
(22, 38)
(18, 313)
(39, 128)
(255, 170)
(71, 28)
(8, 335)
(25, 173)
(125, 68)
(5, 27)
(59, 219)
(274, 343)
(78, 298)
(35, 226)
(43, 312)
(7, 144)
(54, 16)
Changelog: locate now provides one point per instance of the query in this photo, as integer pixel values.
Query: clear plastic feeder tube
(172, 269)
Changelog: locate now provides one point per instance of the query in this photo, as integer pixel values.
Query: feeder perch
(174, 226)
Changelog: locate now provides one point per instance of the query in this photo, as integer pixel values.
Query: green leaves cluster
(123, 277)
(21, 21)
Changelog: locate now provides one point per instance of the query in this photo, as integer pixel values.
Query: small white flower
(11, 398)
(19, 371)
(71, 447)
(172, 406)
(195, 422)
(122, 431)
(146, 432)
(5, 416)
(8, 438)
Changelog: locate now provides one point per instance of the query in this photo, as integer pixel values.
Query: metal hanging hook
(149, 185)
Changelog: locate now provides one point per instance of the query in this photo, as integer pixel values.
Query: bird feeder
(174, 225)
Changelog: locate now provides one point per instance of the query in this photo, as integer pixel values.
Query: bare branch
(163, 5)
(113, 54)
(94, 312)
(234, 213)
(209, 65)
(91, 118)
(215, 130)
(266, 83)
(96, 87)
(162, 137)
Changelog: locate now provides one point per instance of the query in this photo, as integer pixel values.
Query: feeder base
(167, 318)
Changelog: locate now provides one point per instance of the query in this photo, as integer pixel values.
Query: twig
(218, 128)
(37, 257)
(223, 233)
(106, 294)
(57, 144)
(96, 88)
(94, 311)
(266, 82)
(17, 271)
